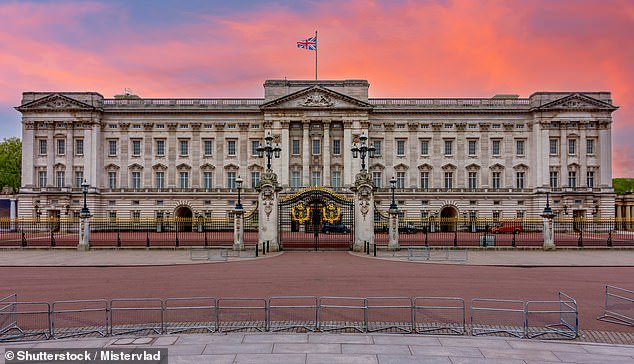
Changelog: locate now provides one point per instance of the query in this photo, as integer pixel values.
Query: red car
(509, 226)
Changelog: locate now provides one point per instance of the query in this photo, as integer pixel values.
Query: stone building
(451, 157)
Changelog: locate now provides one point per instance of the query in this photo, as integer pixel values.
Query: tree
(10, 163)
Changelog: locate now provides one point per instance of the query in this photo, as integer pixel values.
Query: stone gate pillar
(549, 226)
(363, 210)
(84, 233)
(393, 241)
(268, 211)
(238, 229)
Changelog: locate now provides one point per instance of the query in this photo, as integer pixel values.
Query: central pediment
(578, 101)
(316, 97)
(55, 102)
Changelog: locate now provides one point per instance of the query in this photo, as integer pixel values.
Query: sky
(426, 48)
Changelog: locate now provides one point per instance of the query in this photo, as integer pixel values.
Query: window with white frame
(572, 178)
(424, 147)
(315, 179)
(231, 179)
(519, 147)
(184, 147)
(495, 147)
(400, 179)
(554, 146)
(159, 178)
(554, 179)
(41, 178)
(335, 179)
(160, 147)
(448, 180)
(336, 146)
(572, 146)
(255, 179)
(377, 147)
(112, 180)
(376, 179)
(136, 180)
(136, 148)
(590, 146)
(112, 148)
(208, 179)
(208, 147)
(590, 179)
(255, 144)
(316, 146)
(424, 180)
(496, 180)
(231, 148)
(472, 144)
(61, 146)
(59, 178)
(448, 147)
(519, 180)
(295, 147)
(79, 178)
(473, 180)
(79, 146)
(43, 145)
(296, 179)
(184, 179)
(400, 148)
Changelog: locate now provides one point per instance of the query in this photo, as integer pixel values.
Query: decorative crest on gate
(331, 213)
(300, 213)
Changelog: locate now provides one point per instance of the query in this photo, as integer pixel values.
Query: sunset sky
(443, 48)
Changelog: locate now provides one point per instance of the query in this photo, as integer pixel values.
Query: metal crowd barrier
(619, 306)
(189, 315)
(29, 320)
(209, 253)
(299, 313)
(439, 315)
(436, 254)
(492, 316)
(79, 317)
(342, 314)
(391, 314)
(136, 315)
(236, 314)
(8, 317)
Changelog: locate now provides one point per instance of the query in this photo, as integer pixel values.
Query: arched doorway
(183, 215)
(448, 218)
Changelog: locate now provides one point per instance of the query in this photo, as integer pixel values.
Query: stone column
(306, 155)
(268, 211)
(628, 216)
(238, 229)
(84, 233)
(549, 231)
(12, 214)
(393, 238)
(363, 210)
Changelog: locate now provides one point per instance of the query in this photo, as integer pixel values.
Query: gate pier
(268, 210)
(363, 210)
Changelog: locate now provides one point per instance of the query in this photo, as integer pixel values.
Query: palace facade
(451, 157)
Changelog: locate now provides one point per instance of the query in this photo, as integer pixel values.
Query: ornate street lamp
(239, 186)
(362, 149)
(393, 187)
(84, 211)
(269, 150)
(547, 209)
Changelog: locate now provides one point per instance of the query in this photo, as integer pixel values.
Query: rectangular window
(519, 147)
(424, 147)
(472, 147)
(61, 146)
(112, 216)
(473, 180)
(208, 180)
(184, 147)
(136, 215)
(448, 180)
(336, 179)
(400, 148)
(376, 179)
(590, 179)
(184, 180)
(377, 147)
(79, 147)
(112, 147)
(231, 148)
(316, 147)
(160, 180)
(448, 147)
(136, 180)
(43, 146)
(572, 146)
(160, 147)
(295, 147)
(112, 180)
(554, 146)
(136, 148)
(519, 180)
(336, 147)
(496, 179)
(572, 179)
(59, 178)
(79, 178)
(554, 179)
(424, 180)
(41, 178)
(400, 179)
(315, 178)
(590, 146)
(296, 179)
(255, 144)
(208, 146)
(231, 180)
(495, 147)
(255, 179)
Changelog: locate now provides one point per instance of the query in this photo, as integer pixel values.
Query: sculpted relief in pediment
(317, 99)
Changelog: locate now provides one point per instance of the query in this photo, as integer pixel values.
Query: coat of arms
(331, 213)
(300, 213)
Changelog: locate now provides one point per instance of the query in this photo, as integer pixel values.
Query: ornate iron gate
(316, 218)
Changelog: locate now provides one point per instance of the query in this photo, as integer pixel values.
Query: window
(255, 179)
(496, 215)
(495, 147)
(41, 179)
(160, 179)
(572, 179)
(519, 147)
(296, 179)
(376, 179)
(295, 147)
(61, 146)
(43, 146)
(59, 178)
(590, 179)
(255, 144)
(448, 179)
(400, 179)
(79, 147)
(424, 180)
(112, 180)
(336, 146)
(553, 146)
(79, 178)
(520, 214)
(400, 148)
(208, 180)
(473, 180)
(448, 147)
(377, 147)
(519, 180)
(590, 146)
(112, 215)
(424, 147)
(112, 147)
(231, 180)
(316, 147)
(136, 215)
(136, 180)
(496, 179)
(554, 179)
(183, 147)
(184, 179)
(472, 147)
(160, 147)
(136, 148)
(315, 179)
(336, 179)
(208, 147)
(572, 146)
(231, 148)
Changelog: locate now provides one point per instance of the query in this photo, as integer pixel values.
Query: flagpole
(316, 49)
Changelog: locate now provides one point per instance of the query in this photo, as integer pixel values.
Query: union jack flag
(309, 44)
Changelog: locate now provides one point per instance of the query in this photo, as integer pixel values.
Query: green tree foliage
(10, 163)
(623, 185)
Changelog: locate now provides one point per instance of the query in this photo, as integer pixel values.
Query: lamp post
(361, 149)
(84, 211)
(269, 150)
(393, 187)
(547, 209)
(239, 186)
